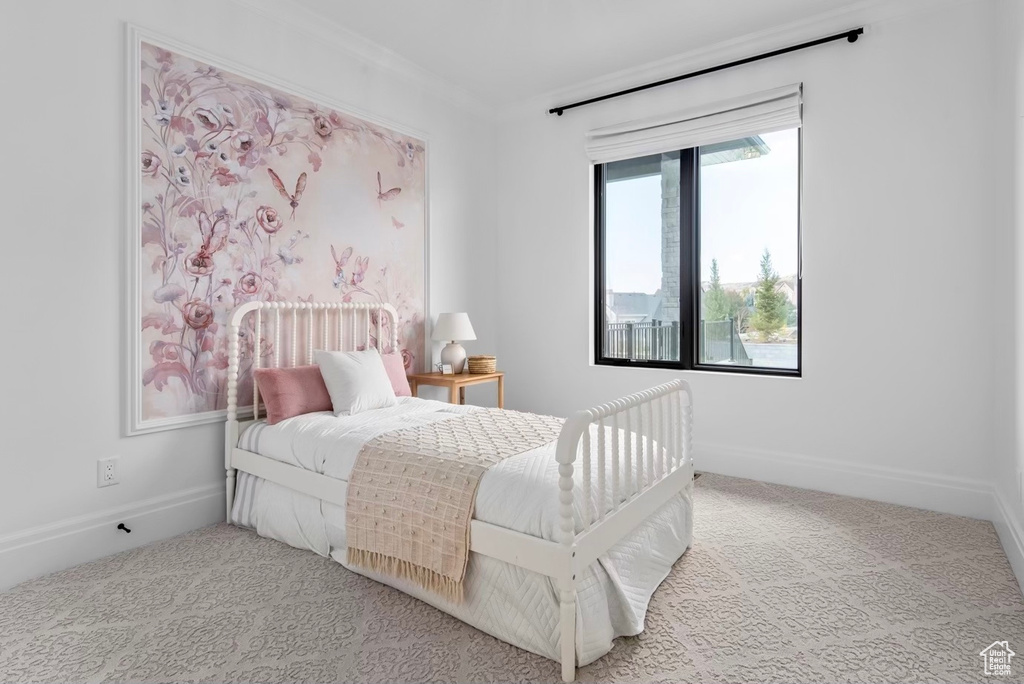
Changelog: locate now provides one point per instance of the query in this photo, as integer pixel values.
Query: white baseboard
(48, 548)
(1010, 535)
(966, 497)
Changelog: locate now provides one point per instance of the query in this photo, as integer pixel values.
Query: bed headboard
(284, 334)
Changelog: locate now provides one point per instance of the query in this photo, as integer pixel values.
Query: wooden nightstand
(457, 384)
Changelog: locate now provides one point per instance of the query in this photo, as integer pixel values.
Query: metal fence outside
(644, 341)
(718, 342)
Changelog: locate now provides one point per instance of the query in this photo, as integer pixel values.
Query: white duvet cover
(520, 493)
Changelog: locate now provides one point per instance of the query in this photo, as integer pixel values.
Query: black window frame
(689, 275)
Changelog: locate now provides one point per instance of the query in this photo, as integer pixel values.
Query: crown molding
(360, 48)
(338, 37)
(864, 13)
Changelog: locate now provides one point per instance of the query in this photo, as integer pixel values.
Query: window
(698, 257)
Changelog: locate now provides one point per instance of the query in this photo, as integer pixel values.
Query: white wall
(1009, 278)
(62, 198)
(896, 399)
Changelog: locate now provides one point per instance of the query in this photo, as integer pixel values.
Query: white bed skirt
(509, 603)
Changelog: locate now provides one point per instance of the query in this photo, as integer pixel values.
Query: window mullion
(599, 274)
(688, 249)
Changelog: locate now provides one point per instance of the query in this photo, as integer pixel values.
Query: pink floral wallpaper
(249, 193)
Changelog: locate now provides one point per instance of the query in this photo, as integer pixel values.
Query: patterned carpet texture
(782, 585)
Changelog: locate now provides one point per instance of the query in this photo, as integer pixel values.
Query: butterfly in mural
(396, 223)
(362, 263)
(339, 265)
(300, 187)
(385, 195)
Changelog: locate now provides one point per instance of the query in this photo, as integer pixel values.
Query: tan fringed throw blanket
(412, 492)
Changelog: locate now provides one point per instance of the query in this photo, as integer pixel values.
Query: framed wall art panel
(244, 189)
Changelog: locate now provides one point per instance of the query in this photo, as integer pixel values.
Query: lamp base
(453, 354)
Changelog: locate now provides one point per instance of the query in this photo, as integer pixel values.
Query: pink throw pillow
(395, 366)
(289, 392)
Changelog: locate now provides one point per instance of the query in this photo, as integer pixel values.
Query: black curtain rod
(850, 36)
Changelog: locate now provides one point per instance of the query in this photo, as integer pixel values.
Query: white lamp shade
(453, 326)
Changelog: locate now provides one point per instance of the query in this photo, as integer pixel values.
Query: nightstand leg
(453, 395)
(414, 387)
(462, 395)
(501, 392)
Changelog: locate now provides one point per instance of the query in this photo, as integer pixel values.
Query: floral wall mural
(248, 193)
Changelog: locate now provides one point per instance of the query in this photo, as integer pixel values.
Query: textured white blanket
(413, 491)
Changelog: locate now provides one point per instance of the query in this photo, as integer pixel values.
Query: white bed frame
(659, 418)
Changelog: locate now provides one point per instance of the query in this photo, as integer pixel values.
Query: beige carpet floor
(782, 585)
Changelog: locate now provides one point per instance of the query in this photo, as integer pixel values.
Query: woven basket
(482, 364)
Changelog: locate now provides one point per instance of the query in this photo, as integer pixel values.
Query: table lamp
(454, 327)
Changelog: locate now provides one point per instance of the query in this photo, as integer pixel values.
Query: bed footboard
(634, 454)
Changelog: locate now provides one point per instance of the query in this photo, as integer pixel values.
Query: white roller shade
(764, 112)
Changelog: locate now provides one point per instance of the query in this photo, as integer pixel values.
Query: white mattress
(521, 493)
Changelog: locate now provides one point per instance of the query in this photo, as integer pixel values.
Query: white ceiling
(507, 51)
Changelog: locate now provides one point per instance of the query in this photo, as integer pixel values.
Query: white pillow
(356, 381)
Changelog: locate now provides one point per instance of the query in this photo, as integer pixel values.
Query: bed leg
(230, 493)
(568, 624)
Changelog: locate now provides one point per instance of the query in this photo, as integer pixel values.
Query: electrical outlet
(106, 472)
